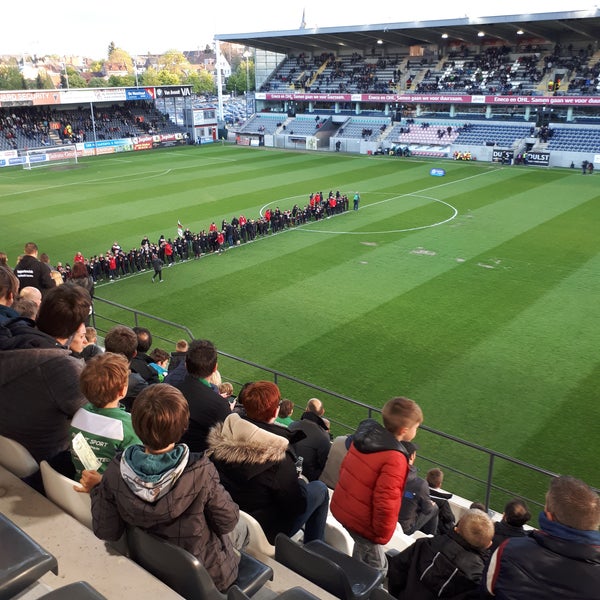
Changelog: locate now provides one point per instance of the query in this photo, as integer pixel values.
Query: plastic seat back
(341, 575)
(184, 573)
(173, 565)
(60, 490)
(80, 590)
(258, 542)
(16, 458)
(22, 560)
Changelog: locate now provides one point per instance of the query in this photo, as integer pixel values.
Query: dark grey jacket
(195, 514)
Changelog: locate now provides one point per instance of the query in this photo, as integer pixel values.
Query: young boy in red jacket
(367, 497)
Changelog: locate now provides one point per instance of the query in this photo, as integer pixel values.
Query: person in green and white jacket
(104, 423)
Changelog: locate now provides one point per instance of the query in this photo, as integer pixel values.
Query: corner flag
(179, 229)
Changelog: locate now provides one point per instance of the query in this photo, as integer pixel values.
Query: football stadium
(408, 210)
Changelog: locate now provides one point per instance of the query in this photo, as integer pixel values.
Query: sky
(75, 27)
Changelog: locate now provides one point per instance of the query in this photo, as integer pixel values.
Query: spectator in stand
(91, 348)
(419, 512)
(160, 362)
(78, 342)
(31, 271)
(368, 495)
(316, 444)
(164, 488)
(178, 356)
(435, 478)
(444, 566)
(9, 288)
(25, 308)
(140, 363)
(81, 277)
(215, 380)
(39, 376)
(257, 465)
(285, 413)
(207, 407)
(337, 452)
(562, 560)
(226, 391)
(56, 277)
(103, 422)
(33, 294)
(123, 340)
(516, 514)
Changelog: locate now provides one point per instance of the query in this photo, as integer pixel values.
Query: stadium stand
(22, 127)
(526, 70)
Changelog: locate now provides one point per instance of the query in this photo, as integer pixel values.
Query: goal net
(55, 155)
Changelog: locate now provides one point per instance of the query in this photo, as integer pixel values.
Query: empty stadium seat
(22, 560)
(343, 576)
(79, 590)
(295, 593)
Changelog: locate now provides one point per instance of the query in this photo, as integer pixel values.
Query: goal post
(52, 155)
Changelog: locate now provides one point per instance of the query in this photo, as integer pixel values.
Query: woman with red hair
(258, 467)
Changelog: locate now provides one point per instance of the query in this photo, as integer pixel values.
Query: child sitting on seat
(448, 565)
(164, 488)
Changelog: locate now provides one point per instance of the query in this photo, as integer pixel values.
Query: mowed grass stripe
(547, 352)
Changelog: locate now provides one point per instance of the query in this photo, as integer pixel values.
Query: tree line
(170, 68)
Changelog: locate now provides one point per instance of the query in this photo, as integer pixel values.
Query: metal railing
(482, 473)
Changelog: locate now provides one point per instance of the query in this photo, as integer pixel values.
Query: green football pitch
(476, 293)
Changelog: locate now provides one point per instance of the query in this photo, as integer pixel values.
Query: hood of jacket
(242, 442)
(151, 476)
(372, 437)
(20, 332)
(564, 533)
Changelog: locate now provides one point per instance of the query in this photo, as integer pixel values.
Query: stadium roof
(581, 26)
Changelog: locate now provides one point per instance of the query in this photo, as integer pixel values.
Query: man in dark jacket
(39, 379)
(207, 407)
(418, 511)
(444, 566)
(314, 448)
(560, 561)
(140, 363)
(435, 478)
(515, 515)
(31, 271)
(178, 356)
(122, 340)
(9, 288)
